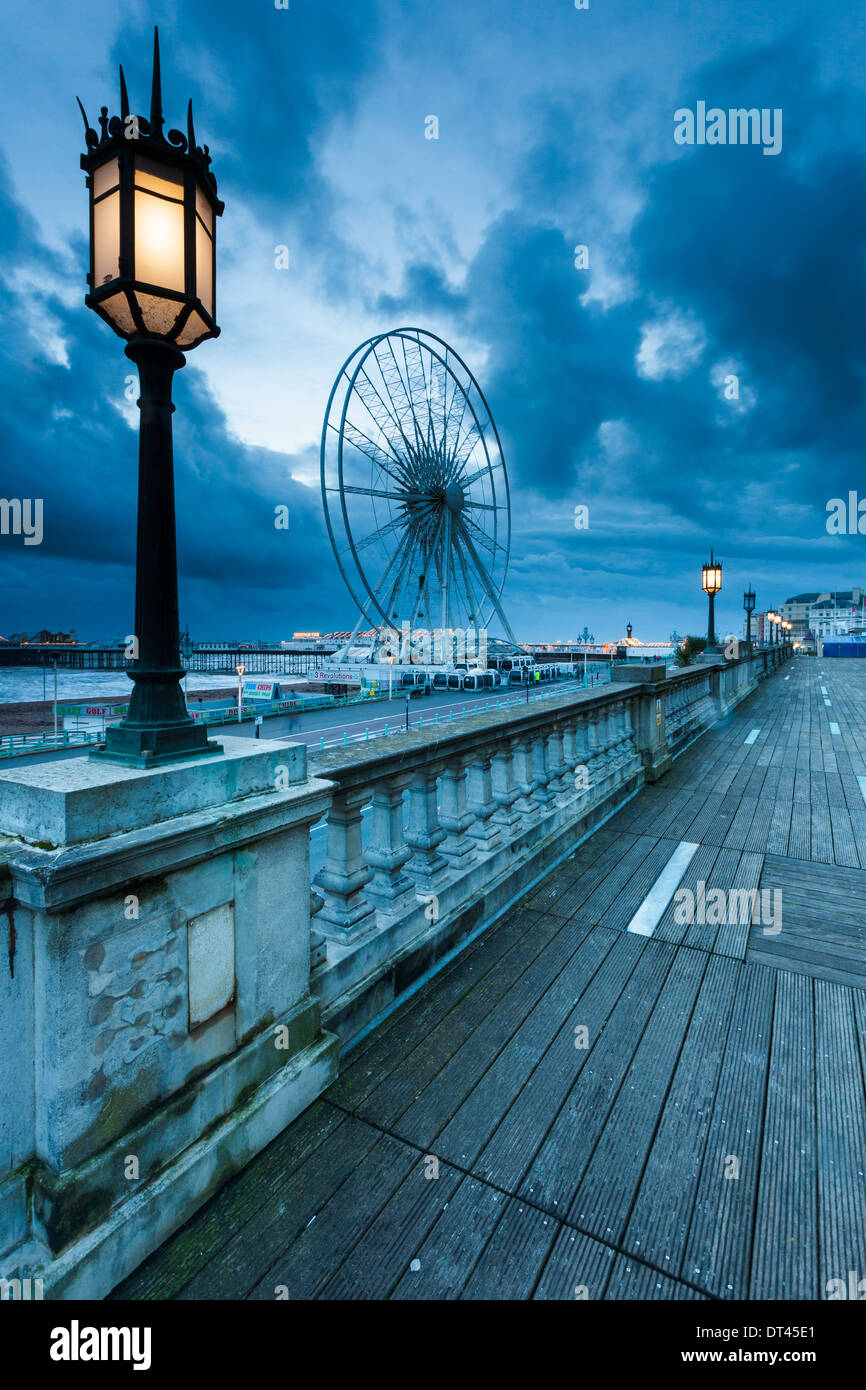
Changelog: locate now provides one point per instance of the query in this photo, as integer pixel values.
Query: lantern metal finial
(91, 139)
(124, 96)
(190, 129)
(156, 118)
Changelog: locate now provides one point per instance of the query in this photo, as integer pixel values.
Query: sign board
(261, 690)
(343, 675)
(95, 711)
(658, 711)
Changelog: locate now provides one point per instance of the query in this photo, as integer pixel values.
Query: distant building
(836, 614)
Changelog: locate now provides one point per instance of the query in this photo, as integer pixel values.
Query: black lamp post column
(157, 728)
(711, 625)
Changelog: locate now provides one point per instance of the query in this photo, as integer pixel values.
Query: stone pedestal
(157, 1023)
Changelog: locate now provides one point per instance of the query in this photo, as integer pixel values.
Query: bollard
(322, 744)
(367, 739)
(437, 716)
(420, 721)
(451, 716)
(345, 738)
(386, 730)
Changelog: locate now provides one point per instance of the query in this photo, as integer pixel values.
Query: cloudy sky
(610, 383)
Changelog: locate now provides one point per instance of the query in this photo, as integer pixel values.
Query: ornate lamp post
(749, 605)
(153, 211)
(771, 619)
(711, 582)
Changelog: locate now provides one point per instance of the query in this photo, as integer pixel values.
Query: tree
(688, 650)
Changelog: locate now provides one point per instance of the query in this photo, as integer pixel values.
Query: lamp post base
(150, 747)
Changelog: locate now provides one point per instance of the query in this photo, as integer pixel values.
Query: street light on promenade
(771, 619)
(749, 605)
(711, 582)
(153, 211)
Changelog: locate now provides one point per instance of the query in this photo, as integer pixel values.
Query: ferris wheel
(414, 486)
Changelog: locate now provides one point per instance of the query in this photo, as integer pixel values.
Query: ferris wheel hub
(454, 497)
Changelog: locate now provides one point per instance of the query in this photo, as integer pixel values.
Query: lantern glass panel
(204, 210)
(194, 328)
(159, 226)
(159, 315)
(203, 266)
(105, 178)
(117, 308)
(106, 236)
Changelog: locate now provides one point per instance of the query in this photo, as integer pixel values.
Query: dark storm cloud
(272, 82)
(755, 266)
(64, 438)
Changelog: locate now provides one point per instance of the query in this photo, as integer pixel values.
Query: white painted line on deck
(823, 690)
(834, 728)
(861, 782)
(827, 702)
(654, 905)
(750, 738)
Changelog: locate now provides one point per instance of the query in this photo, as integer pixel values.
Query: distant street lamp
(711, 582)
(749, 605)
(240, 670)
(153, 211)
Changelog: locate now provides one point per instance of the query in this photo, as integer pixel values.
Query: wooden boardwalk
(573, 1110)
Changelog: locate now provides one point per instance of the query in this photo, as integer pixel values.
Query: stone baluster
(505, 790)
(424, 834)
(524, 778)
(569, 759)
(582, 771)
(542, 795)
(454, 815)
(388, 852)
(345, 912)
(559, 783)
(596, 760)
(480, 800)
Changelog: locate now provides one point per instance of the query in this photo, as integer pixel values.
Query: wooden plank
(303, 1267)
(387, 1100)
(577, 1268)
(433, 1104)
(733, 936)
(559, 1164)
(507, 1155)
(234, 1207)
(377, 1263)
(610, 1180)
(282, 1215)
(659, 1221)
(841, 1124)
(719, 1239)
(448, 1254)
(515, 1254)
(785, 1258)
(550, 1025)
(631, 1280)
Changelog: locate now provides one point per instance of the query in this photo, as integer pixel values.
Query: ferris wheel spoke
(388, 414)
(486, 581)
(373, 452)
(490, 542)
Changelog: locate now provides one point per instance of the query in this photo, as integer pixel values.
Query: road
(349, 724)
